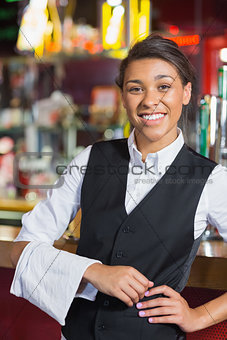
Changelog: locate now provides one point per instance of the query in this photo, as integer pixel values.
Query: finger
(161, 301)
(124, 298)
(131, 293)
(138, 287)
(163, 319)
(167, 291)
(141, 278)
(150, 285)
(158, 311)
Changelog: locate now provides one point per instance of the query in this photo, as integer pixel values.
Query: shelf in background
(17, 205)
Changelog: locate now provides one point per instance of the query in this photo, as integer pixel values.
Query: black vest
(156, 238)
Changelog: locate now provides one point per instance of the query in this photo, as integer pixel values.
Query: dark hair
(155, 46)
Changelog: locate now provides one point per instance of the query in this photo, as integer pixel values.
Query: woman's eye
(164, 87)
(135, 89)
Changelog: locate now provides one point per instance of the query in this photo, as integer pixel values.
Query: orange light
(186, 40)
(173, 29)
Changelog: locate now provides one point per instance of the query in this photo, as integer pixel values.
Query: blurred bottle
(204, 125)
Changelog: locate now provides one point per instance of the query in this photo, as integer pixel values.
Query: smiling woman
(139, 231)
(163, 81)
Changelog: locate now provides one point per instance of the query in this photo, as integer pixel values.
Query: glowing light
(118, 12)
(106, 16)
(41, 4)
(133, 20)
(186, 40)
(55, 43)
(33, 25)
(113, 3)
(223, 55)
(142, 24)
(112, 26)
(173, 29)
(139, 20)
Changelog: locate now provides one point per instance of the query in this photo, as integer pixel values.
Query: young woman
(145, 202)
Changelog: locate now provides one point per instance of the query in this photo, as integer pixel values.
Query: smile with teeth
(153, 116)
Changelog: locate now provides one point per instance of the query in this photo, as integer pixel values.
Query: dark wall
(82, 75)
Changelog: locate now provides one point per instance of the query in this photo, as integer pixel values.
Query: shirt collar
(162, 158)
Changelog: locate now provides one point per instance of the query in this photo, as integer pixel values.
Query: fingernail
(141, 313)
(139, 305)
(150, 320)
(146, 293)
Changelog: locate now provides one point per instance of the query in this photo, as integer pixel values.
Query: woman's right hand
(123, 282)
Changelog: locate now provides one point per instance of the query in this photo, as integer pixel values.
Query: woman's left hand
(170, 309)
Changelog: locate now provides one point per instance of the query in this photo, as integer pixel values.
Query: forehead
(150, 67)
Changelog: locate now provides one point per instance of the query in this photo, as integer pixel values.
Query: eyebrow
(159, 76)
(137, 81)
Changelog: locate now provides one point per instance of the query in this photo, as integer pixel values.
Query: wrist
(203, 318)
(90, 272)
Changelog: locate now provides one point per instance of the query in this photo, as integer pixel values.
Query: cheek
(174, 104)
(130, 104)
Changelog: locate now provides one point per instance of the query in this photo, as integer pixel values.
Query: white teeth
(153, 116)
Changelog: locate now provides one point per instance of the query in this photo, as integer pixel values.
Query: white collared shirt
(50, 278)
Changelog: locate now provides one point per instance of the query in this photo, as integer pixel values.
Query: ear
(187, 93)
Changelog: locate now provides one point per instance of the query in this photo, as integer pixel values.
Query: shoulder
(219, 175)
(83, 156)
(200, 158)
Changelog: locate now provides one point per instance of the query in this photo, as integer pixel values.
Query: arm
(33, 253)
(40, 266)
(49, 278)
(174, 309)
(16, 251)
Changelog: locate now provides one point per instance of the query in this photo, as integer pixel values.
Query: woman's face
(153, 96)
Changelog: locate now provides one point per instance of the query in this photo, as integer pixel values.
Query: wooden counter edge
(206, 272)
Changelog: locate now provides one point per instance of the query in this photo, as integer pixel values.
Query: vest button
(119, 254)
(106, 303)
(101, 327)
(126, 229)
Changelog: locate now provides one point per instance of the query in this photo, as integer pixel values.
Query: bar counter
(208, 269)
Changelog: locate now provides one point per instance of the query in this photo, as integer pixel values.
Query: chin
(155, 137)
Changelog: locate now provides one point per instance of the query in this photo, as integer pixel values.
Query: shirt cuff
(49, 278)
(89, 292)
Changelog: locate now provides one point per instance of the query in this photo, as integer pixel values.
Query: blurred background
(58, 64)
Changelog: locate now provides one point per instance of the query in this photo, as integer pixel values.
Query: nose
(150, 99)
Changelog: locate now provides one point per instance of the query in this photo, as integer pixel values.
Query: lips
(152, 118)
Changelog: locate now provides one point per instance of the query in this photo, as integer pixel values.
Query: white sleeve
(217, 200)
(48, 278)
(50, 217)
(45, 224)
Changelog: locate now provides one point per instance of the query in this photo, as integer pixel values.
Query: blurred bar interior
(58, 63)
